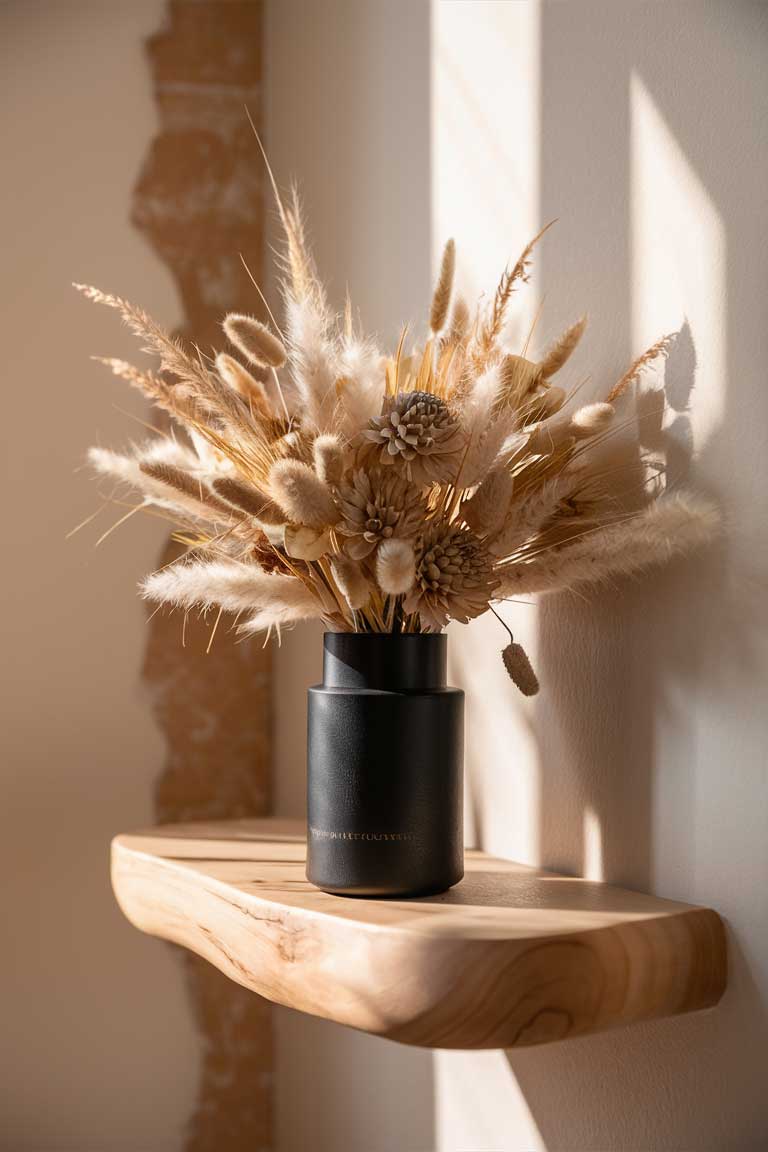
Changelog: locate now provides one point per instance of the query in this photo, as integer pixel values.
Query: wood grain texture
(512, 956)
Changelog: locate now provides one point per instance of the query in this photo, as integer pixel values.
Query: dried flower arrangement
(387, 494)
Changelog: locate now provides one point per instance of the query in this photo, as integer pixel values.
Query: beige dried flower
(377, 506)
(388, 494)
(419, 432)
(454, 576)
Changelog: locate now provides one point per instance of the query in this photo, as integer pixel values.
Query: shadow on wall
(656, 782)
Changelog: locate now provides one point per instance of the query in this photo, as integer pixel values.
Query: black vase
(385, 767)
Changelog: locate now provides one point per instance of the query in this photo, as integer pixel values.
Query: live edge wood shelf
(511, 956)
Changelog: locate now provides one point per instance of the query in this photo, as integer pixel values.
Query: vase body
(385, 767)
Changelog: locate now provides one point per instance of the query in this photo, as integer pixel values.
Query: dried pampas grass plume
(329, 458)
(562, 349)
(301, 494)
(254, 340)
(352, 583)
(234, 587)
(510, 278)
(395, 567)
(519, 669)
(632, 375)
(672, 526)
(442, 297)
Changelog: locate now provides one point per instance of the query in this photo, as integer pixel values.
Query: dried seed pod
(519, 668)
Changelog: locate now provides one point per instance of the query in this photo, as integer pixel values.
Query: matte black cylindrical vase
(385, 767)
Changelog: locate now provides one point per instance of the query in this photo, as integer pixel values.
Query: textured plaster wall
(642, 127)
(97, 1047)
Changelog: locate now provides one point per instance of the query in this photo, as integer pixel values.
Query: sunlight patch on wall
(485, 183)
(468, 1089)
(593, 846)
(485, 193)
(678, 264)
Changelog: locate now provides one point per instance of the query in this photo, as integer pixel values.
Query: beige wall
(97, 1049)
(641, 126)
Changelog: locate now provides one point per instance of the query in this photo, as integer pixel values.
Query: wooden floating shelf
(511, 956)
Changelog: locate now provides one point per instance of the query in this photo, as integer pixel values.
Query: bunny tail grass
(562, 349)
(254, 340)
(442, 298)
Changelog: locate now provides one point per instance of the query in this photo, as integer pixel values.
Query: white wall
(97, 1050)
(645, 760)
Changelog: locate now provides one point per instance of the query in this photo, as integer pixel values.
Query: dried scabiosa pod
(377, 506)
(419, 433)
(454, 576)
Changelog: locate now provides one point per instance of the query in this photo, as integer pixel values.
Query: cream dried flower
(454, 577)
(420, 432)
(377, 506)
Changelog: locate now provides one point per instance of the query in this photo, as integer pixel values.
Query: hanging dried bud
(254, 340)
(519, 669)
